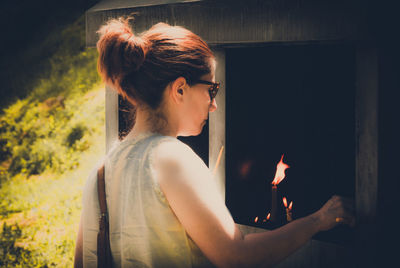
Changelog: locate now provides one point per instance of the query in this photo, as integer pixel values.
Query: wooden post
(111, 117)
(217, 124)
(366, 155)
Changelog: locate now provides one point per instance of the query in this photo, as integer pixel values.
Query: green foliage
(11, 254)
(75, 134)
(32, 140)
(48, 143)
(37, 136)
(45, 130)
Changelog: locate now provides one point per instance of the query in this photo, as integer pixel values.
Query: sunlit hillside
(49, 142)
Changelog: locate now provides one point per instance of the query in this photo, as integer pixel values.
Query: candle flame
(280, 172)
(290, 205)
(268, 216)
(284, 202)
(256, 219)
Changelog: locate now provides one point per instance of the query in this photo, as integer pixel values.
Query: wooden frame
(217, 123)
(111, 117)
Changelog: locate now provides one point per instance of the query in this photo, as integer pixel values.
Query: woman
(164, 208)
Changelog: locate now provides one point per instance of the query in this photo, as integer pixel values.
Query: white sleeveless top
(144, 231)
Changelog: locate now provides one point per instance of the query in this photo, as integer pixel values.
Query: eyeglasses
(213, 90)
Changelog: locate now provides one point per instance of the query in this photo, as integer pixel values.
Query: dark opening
(296, 100)
(199, 144)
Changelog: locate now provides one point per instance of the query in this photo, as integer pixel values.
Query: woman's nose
(213, 106)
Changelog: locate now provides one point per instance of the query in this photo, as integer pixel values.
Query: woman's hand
(338, 210)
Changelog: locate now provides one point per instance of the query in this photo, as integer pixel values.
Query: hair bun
(120, 51)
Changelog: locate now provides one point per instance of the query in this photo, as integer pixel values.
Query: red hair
(140, 67)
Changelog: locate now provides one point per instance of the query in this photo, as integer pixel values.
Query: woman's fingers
(338, 210)
(348, 204)
(345, 211)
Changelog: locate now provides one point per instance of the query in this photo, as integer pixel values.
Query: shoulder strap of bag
(101, 190)
(104, 257)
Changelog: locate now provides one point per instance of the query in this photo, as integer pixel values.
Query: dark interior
(296, 100)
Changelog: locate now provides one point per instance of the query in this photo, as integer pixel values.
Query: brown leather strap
(104, 257)
(101, 190)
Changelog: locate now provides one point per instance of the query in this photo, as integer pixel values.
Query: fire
(256, 219)
(280, 172)
(267, 218)
(284, 202)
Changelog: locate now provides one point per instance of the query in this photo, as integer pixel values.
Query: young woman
(164, 208)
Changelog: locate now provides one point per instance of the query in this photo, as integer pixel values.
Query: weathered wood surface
(111, 117)
(238, 22)
(118, 4)
(217, 124)
(366, 153)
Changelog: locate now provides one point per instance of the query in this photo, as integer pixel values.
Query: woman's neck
(147, 121)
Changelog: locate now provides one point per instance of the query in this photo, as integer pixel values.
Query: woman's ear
(178, 88)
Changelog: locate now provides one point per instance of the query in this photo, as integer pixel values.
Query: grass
(49, 141)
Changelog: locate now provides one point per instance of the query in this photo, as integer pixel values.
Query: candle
(288, 209)
(267, 218)
(273, 202)
(279, 176)
(288, 215)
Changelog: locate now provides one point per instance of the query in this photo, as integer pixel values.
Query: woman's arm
(193, 196)
(280, 243)
(78, 260)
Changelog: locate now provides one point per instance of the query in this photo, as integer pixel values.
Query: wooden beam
(241, 22)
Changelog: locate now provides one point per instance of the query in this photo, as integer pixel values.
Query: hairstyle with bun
(140, 66)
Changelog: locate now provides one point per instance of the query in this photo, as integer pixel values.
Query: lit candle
(279, 176)
(267, 218)
(288, 209)
(274, 190)
(289, 212)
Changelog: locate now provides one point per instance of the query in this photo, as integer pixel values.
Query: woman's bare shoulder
(176, 153)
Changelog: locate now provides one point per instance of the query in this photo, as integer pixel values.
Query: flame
(256, 219)
(268, 216)
(280, 172)
(284, 202)
(290, 205)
